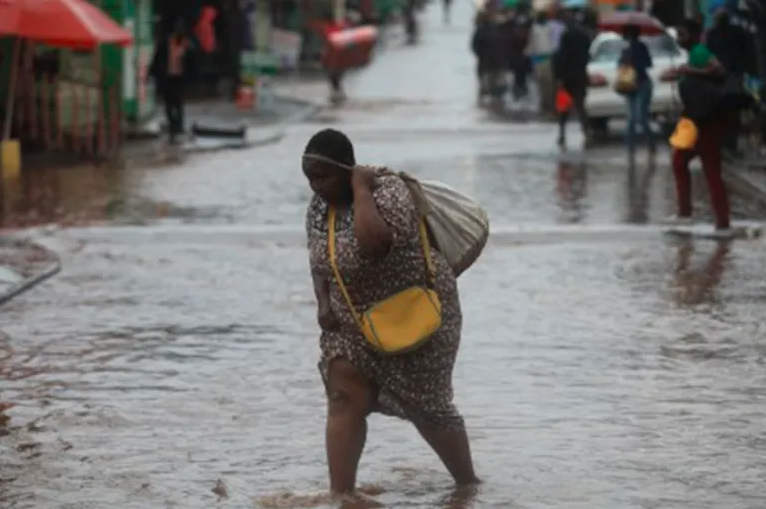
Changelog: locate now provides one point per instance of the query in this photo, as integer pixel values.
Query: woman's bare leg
(350, 397)
(453, 448)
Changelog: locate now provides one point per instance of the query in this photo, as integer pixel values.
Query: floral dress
(416, 386)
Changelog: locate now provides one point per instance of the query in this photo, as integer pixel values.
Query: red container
(349, 48)
(563, 101)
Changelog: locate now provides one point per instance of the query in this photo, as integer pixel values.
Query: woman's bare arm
(372, 232)
(321, 290)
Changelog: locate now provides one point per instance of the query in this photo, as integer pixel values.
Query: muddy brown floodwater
(592, 375)
(173, 365)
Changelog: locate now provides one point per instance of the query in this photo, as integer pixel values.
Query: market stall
(57, 96)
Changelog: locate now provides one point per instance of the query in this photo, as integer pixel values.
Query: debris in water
(221, 490)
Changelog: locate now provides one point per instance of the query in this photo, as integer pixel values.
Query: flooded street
(173, 362)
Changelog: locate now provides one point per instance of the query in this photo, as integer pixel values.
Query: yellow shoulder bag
(627, 79)
(402, 322)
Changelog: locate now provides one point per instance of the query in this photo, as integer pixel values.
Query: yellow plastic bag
(684, 136)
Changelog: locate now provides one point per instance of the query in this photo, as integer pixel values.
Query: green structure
(121, 71)
(130, 66)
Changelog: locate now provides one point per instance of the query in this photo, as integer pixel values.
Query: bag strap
(334, 263)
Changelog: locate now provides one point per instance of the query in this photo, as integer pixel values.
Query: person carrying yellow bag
(387, 305)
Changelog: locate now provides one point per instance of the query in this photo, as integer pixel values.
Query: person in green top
(700, 56)
(702, 64)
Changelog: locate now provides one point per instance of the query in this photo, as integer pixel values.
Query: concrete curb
(274, 137)
(744, 186)
(32, 281)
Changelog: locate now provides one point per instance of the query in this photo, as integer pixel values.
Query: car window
(609, 50)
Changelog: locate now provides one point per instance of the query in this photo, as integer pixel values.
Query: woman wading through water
(379, 253)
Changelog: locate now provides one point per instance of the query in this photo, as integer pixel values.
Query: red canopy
(73, 24)
(616, 21)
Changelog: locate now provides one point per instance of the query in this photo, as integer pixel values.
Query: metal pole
(10, 100)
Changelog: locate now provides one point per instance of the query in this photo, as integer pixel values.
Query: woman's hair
(332, 144)
(693, 28)
(631, 31)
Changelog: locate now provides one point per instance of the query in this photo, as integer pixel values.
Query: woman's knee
(348, 390)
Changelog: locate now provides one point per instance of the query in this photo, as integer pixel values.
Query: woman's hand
(326, 317)
(362, 179)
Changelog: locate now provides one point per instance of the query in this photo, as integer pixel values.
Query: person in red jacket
(205, 31)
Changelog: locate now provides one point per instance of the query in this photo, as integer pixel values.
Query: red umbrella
(62, 23)
(72, 24)
(616, 21)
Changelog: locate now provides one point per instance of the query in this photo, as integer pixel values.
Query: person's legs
(709, 143)
(350, 399)
(169, 111)
(336, 85)
(172, 105)
(731, 138)
(645, 93)
(481, 78)
(454, 450)
(578, 102)
(180, 100)
(681, 160)
(521, 75)
(544, 76)
(632, 118)
(563, 119)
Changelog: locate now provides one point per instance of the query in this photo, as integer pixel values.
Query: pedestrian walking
(729, 45)
(333, 66)
(699, 78)
(365, 246)
(637, 61)
(570, 63)
(540, 51)
(487, 45)
(518, 28)
(169, 68)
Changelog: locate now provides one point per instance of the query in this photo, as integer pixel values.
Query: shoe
(724, 233)
(676, 220)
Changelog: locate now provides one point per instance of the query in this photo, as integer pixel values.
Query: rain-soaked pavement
(602, 366)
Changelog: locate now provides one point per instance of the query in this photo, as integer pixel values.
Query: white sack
(459, 225)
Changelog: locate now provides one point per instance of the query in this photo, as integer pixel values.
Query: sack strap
(334, 263)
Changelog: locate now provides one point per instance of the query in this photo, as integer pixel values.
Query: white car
(603, 103)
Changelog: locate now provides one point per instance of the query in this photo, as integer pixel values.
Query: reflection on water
(639, 183)
(67, 196)
(695, 285)
(571, 186)
(87, 194)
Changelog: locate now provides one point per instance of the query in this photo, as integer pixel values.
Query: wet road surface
(610, 371)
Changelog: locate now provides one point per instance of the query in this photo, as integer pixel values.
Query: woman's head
(689, 33)
(329, 172)
(721, 18)
(631, 32)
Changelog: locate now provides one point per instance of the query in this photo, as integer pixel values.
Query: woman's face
(331, 183)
